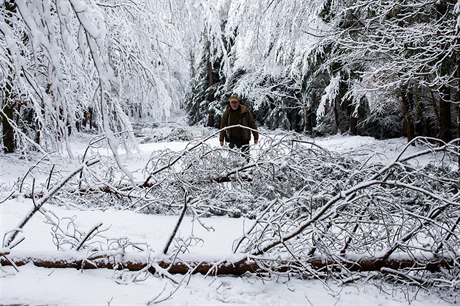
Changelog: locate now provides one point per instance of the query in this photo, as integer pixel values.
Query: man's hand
(222, 143)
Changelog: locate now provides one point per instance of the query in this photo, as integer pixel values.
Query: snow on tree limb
(140, 261)
(10, 239)
(312, 212)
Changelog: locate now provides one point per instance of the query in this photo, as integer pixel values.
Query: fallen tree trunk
(105, 261)
(137, 263)
(122, 189)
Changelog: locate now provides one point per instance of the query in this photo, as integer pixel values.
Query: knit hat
(233, 97)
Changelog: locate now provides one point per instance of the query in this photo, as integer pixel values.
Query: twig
(3, 254)
(45, 199)
(29, 170)
(6, 199)
(179, 221)
(96, 227)
(49, 177)
(418, 280)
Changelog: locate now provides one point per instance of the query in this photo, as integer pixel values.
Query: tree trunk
(335, 105)
(8, 104)
(90, 117)
(105, 261)
(8, 113)
(418, 115)
(210, 97)
(353, 119)
(408, 124)
(308, 124)
(211, 120)
(445, 116)
(8, 131)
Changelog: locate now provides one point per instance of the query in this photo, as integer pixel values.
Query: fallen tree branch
(32, 168)
(179, 222)
(43, 200)
(95, 228)
(413, 279)
(105, 260)
(185, 152)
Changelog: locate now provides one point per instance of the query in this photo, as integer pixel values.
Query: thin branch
(88, 235)
(30, 169)
(45, 199)
(179, 222)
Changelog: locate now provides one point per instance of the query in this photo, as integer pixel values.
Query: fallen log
(131, 263)
(61, 260)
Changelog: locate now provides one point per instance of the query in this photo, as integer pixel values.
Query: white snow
(34, 285)
(101, 287)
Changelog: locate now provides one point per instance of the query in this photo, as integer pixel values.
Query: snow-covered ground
(33, 285)
(101, 287)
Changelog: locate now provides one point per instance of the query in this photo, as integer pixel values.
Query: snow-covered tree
(64, 62)
(393, 63)
(406, 53)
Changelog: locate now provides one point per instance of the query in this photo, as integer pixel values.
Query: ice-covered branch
(44, 199)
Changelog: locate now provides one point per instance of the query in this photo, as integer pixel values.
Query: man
(237, 114)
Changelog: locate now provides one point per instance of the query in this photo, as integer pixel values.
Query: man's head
(234, 102)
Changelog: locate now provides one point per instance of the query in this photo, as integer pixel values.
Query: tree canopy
(379, 68)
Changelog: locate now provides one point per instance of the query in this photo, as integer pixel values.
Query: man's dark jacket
(245, 119)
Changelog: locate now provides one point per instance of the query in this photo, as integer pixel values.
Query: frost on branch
(315, 213)
(318, 213)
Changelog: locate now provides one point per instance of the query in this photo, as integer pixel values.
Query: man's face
(234, 104)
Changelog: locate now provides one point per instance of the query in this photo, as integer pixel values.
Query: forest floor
(33, 285)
